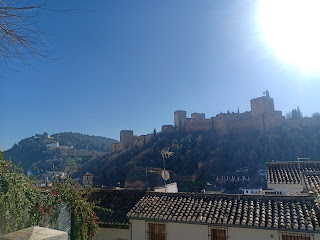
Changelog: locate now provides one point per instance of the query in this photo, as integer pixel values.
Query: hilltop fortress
(261, 118)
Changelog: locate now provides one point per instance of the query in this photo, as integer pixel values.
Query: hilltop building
(261, 118)
(127, 140)
(52, 145)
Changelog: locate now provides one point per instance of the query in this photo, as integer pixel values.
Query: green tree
(22, 204)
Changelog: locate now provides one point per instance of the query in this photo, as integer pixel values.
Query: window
(157, 231)
(218, 234)
(293, 236)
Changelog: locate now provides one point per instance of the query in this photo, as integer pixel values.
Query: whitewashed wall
(112, 234)
(184, 231)
(286, 188)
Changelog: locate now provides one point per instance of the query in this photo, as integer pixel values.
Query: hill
(74, 150)
(204, 156)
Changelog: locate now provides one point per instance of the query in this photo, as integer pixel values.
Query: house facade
(145, 230)
(219, 217)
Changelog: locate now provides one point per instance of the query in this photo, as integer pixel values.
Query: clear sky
(131, 64)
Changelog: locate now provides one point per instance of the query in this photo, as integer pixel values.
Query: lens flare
(291, 28)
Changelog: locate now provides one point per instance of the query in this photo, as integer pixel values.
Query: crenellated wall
(198, 124)
(262, 117)
(262, 105)
(127, 140)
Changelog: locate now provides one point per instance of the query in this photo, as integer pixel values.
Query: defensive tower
(262, 105)
(180, 118)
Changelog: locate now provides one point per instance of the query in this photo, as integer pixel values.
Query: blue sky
(131, 64)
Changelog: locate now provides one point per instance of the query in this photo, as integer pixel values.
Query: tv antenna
(165, 153)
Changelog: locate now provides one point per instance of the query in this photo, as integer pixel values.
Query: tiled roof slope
(119, 201)
(312, 181)
(295, 213)
(288, 172)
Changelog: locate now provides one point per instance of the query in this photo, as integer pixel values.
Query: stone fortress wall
(127, 140)
(261, 118)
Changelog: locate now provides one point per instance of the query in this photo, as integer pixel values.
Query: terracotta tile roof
(312, 181)
(119, 201)
(288, 172)
(295, 213)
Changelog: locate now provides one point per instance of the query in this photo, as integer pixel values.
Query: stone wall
(167, 128)
(180, 120)
(221, 124)
(142, 139)
(273, 119)
(116, 147)
(261, 105)
(248, 125)
(262, 117)
(126, 138)
(198, 116)
(306, 122)
(198, 124)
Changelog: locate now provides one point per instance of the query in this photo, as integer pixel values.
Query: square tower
(262, 105)
(126, 138)
(87, 179)
(180, 118)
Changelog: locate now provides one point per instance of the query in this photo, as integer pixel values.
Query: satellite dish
(165, 175)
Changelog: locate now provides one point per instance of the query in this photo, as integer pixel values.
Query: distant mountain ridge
(74, 150)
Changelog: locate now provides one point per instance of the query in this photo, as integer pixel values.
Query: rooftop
(312, 181)
(119, 201)
(288, 172)
(294, 213)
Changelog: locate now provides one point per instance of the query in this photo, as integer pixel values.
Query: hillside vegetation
(220, 156)
(75, 149)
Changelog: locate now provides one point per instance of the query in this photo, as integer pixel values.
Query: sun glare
(292, 29)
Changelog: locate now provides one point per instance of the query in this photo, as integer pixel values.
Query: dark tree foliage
(33, 150)
(219, 155)
(82, 141)
(294, 114)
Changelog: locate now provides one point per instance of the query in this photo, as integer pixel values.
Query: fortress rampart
(261, 118)
(127, 140)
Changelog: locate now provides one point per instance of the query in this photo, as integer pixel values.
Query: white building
(221, 217)
(168, 188)
(52, 145)
(293, 177)
(252, 191)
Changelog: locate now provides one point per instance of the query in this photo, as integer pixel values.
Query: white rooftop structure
(36, 233)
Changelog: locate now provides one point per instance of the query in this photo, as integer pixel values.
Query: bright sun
(292, 29)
